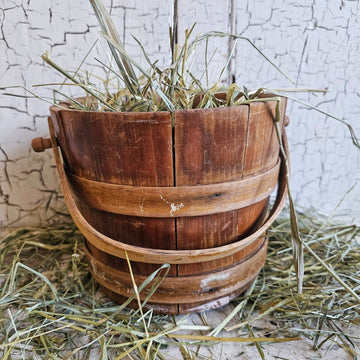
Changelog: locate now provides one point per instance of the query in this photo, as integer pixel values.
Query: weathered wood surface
(120, 149)
(179, 201)
(262, 143)
(211, 146)
(204, 150)
(189, 291)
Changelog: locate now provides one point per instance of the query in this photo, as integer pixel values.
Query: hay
(50, 307)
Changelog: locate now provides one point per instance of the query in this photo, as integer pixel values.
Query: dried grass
(50, 307)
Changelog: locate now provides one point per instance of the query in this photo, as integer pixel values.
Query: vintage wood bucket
(190, 189)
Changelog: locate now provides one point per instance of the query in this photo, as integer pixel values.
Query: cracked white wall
(315, 43)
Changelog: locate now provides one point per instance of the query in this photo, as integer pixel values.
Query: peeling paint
(173, 207)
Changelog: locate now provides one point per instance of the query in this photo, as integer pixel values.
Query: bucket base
(175, 309)
(182, 294)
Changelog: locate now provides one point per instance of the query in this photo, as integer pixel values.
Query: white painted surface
(316, 43)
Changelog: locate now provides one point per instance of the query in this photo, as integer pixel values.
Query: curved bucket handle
(159, 256)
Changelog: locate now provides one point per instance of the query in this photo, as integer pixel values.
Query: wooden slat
(210, 145)
(262, 147)
(130, 149)
(251, 217)
(209, 148)
(205, 232)
(119, 148)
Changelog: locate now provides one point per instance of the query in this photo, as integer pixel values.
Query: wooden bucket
(190, 189)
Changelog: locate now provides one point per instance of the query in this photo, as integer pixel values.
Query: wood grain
(175, 290)
(262, 147)
(175, 201)
(117, 148)
(207, 149)
(159, 256)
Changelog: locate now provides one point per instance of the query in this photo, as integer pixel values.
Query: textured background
(315, 43)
